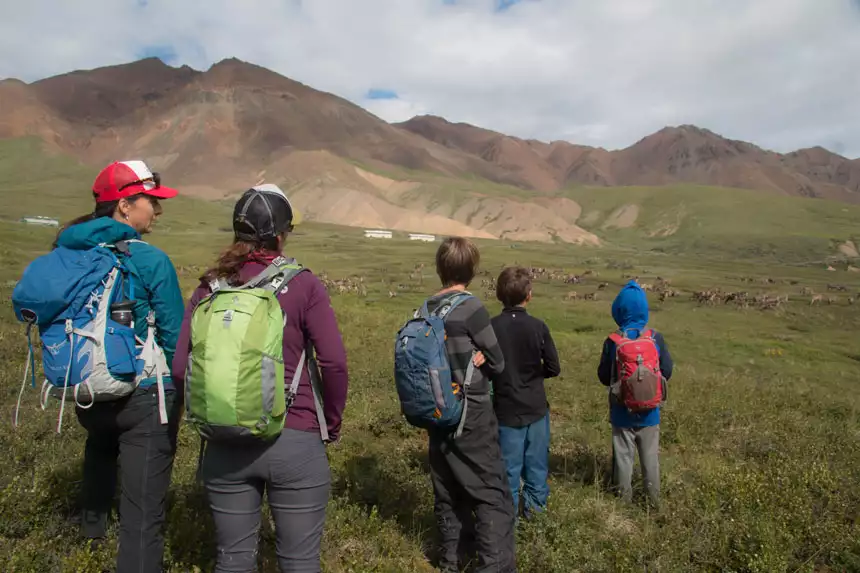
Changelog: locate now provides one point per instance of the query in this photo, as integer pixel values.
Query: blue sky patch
(376, 93)
(502, 5)
(164, 53)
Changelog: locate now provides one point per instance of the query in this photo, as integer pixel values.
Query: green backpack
(234, 387)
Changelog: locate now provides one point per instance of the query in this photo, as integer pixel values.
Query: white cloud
(780, 73)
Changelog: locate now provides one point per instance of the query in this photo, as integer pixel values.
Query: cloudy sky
(782, 73)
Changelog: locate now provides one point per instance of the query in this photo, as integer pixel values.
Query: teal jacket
(152, 273)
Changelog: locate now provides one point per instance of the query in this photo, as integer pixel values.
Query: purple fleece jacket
(310, 318)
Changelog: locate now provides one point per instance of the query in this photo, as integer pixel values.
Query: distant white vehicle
(377, 234)
(39, 220)
(421, 237)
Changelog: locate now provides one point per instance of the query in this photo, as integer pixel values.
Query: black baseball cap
(263, 212)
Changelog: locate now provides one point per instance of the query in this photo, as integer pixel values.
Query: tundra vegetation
(760, 448)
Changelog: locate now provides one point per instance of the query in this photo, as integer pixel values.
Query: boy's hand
(479, 359)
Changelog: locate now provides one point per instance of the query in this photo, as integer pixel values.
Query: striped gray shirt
(468, 328)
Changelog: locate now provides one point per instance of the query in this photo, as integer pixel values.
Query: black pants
(472, 496)
(129, 431)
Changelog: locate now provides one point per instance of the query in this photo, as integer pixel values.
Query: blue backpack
(429, 398)
(87, 356)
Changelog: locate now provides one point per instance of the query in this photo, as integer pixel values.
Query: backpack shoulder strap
(218, 284)
(616, 337)
(450, 302)
(288, 270)
(275, 277)
(122, 256)
(121, 246)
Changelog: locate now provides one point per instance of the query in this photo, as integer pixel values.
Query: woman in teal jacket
(130, 430)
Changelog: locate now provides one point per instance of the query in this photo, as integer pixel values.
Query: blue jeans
(526, 454)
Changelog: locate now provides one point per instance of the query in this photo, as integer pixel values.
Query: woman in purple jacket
(294, 469)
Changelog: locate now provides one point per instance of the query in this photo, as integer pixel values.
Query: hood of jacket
(630, 307)
(92, 233)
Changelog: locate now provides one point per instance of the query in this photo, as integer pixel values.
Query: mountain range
(214, 133)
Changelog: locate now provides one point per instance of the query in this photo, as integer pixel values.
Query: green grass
(760, 452)
(722, 223)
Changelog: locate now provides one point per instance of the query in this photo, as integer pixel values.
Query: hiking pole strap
(297, 376)
(470, 372)
(313, 370)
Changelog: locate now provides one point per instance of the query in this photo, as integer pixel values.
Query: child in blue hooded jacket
(634, 431)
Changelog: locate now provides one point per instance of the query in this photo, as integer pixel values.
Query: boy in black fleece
(519, 394)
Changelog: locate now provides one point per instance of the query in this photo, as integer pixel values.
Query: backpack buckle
(291, 397)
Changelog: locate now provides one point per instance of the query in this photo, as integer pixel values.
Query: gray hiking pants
(625, 443)
(294, 473)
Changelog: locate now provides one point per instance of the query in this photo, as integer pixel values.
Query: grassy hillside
(724, 223)
(33, 182)
(759, 452)
(760, 457)
(728, 224)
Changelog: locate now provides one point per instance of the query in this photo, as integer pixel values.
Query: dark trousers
(294, 473)
(471, 490)
(128, 431)
(526, 453)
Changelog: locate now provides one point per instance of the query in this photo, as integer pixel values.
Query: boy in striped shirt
(472, 496)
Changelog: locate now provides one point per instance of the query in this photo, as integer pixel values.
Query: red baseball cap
(123, 179)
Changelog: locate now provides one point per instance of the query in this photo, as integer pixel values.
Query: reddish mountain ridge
(684, 154)
(230, 121)
(224, 126)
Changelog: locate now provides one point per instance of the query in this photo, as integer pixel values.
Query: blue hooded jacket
(152, 273)
(630, 311)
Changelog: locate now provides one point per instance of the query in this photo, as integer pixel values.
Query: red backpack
(637, 381)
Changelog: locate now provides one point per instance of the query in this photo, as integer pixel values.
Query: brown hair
(231, 260)
(103, 209)
(457, 261)
(513, 286)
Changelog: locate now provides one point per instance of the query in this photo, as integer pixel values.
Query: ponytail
(106, 209)
(230, 262)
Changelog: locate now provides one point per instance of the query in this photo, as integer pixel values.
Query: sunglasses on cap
(155, 180)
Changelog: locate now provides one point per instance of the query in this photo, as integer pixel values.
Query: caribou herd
(590, 279)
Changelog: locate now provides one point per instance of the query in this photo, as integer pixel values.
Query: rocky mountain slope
(215, 132)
